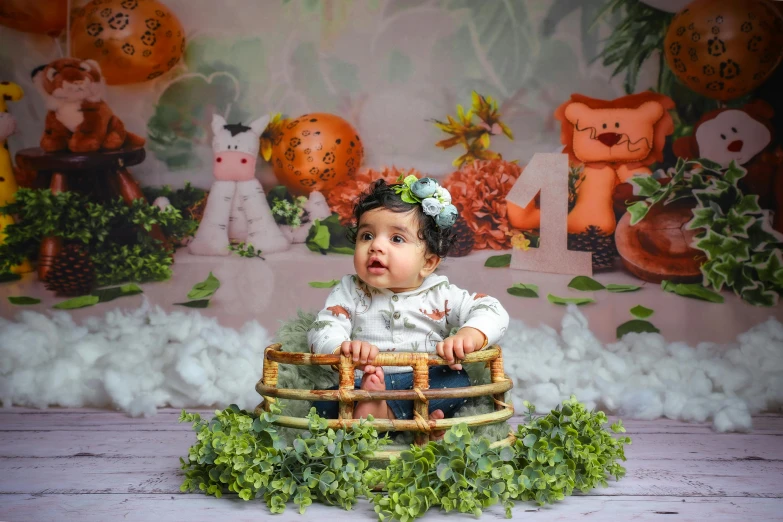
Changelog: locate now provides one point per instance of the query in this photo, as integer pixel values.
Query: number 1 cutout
(548, 173)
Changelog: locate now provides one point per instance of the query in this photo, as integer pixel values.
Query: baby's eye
(366, 236)
(398, 239)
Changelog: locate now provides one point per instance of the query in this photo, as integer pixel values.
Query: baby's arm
(482, 320)
(333, 324)
(331, 331)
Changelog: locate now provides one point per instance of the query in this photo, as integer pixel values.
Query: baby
(396, 302)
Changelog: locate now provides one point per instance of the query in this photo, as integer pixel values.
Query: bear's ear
(577, 111)
(686, 147)
(759, 110)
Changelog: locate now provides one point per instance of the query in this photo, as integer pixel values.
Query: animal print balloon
(724, 49)
(316, 152)
(132, 40)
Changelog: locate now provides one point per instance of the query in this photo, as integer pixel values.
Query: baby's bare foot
(437, 415)
(372, 380)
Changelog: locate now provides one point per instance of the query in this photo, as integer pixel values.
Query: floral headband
(434, 199)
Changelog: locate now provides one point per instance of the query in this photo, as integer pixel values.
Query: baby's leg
(373, 381)
(437, 415)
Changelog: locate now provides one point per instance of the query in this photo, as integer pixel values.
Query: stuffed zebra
(236, 207)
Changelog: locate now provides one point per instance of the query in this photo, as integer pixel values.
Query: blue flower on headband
(424, 188)
(434, 199)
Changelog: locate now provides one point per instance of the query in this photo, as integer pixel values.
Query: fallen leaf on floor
(569, 300)
(636, 326)
(23, 300)
(585, 284)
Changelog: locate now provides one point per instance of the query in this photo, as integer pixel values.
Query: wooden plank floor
(97, 465)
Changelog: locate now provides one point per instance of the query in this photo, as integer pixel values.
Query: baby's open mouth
(376, 266)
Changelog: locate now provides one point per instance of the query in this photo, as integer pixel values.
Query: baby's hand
(362, 352)
(466, 340)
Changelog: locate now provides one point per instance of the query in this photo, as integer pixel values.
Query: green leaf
(23, 300)
(695, 291)
(199, 303)
(702, 218)
(324, 284)
(635, 326)
(638, 211)
(748, 204)
(758, 295)
(77, 302)
(109, 294)
(5, 277)
(569, 300)
(734, 173)
(205, 288)
(585, 284)
(641, 312)
(523, 290)
(498, 261)
(611, 287)
(648, 185)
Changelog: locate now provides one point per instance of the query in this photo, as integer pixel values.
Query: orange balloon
(724, 49)
(39, 16)
(132, 40)
(316, 152)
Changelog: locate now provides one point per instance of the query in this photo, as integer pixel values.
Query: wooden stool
(107, 175)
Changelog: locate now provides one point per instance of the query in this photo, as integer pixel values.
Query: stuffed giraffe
(8, 92)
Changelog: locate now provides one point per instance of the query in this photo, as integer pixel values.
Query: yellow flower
(520, 242)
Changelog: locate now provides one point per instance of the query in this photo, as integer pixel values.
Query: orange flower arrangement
(342, 198)
(479, 190)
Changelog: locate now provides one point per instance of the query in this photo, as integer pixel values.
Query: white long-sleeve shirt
(407, 321)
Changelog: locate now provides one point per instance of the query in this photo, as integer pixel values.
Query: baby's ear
(430, 264)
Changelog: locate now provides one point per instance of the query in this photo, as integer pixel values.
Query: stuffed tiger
(78, 119)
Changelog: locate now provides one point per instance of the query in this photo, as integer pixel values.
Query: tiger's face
(69, 80)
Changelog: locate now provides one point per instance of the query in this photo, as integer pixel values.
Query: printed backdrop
(386, 66)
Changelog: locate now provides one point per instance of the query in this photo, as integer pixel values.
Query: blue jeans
(440, 377)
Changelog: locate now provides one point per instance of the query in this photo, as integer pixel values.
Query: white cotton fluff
(644, 377)
(144, 359)
(135, 361)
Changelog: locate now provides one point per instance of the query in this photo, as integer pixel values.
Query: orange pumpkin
(315, 152)
(724, 49)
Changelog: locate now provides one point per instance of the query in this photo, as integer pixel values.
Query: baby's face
(389, 253)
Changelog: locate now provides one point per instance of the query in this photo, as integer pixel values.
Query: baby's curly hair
(382, 195)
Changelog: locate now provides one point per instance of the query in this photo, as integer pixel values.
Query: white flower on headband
(443, 194)
(431, 206)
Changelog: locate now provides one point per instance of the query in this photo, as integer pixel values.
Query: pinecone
(463, 239)
(196, 210)
(602, 246)
(72, 273)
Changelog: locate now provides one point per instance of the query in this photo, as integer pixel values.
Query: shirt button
(395, 298)
(396, 315)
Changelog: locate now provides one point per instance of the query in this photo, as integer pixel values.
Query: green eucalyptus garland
(554, 454)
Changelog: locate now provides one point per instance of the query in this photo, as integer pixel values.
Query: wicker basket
(420, 394)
